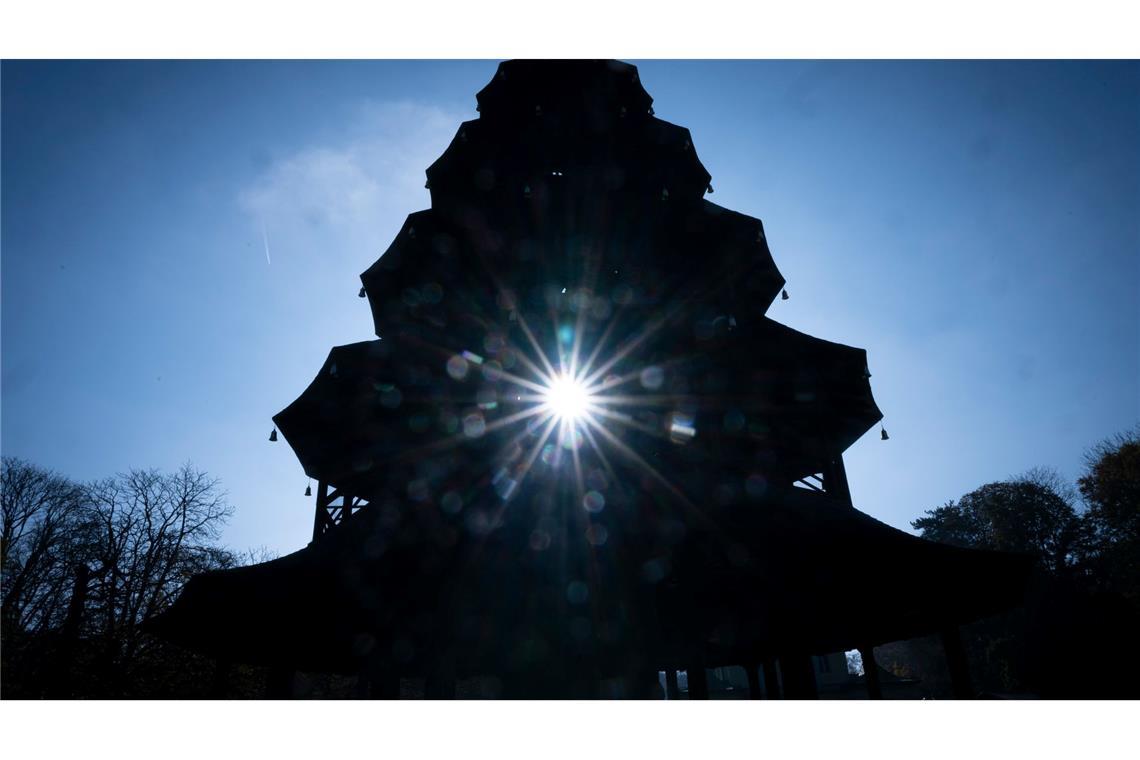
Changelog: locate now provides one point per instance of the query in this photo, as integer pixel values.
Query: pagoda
(578, 452)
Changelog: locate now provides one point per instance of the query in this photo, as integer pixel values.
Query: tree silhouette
(42, 514)
(1031, 514)
(1111, 488)
(84, 564)
(1086, 561)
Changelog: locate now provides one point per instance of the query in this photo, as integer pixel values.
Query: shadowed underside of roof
(786, 573)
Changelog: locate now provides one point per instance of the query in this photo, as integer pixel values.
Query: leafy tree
(1033, 514)
(1066, 611)
(1110, 487)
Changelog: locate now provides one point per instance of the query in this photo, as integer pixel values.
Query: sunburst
(571, 403)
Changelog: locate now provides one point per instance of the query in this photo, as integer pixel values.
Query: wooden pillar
(384, 685)
(346, 509)
(771, 680)
(672, 690)
(322, 509)
(871, 673)
(279, 683)
(698, 683)
(220, 686)
(956, 662)
(753, 680)
(835, 480)
(645, 684)
(799, 677)
(440, 683)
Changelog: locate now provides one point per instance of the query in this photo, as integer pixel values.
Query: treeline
(1076, 634)
(84, 563)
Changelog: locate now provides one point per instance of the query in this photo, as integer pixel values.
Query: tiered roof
(567, 217)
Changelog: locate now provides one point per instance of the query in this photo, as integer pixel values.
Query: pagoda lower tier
(715, 398)
(396, 590)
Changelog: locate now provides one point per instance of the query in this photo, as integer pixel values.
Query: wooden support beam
(956, 662)
(772, 680)
(799, 677)
(754, 681)
(322, 514)
(384, 685)
(279, 683)
(804, 482)
(871, 673)
(698, 683)
(835, 480)
(672, 690)
(440, 683)
(220, 685)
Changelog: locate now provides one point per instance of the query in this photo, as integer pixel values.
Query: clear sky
(181, 243)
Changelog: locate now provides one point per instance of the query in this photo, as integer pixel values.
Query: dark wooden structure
(700, 517)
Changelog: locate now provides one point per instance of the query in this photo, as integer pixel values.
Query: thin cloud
(357, 189)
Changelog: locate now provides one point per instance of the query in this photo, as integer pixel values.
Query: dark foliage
(1074, 634)
(1110, 486)
(84, 564)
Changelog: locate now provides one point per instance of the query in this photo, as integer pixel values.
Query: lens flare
(568, 398)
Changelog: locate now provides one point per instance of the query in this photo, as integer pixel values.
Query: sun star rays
(563, 403)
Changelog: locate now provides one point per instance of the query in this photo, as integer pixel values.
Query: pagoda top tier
(556, 130)
(577, 91)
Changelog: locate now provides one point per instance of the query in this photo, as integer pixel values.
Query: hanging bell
(883, 434)
(362, 293)
(273, 435)
(427, 185)
(664, 193)
(650, 110)
(709, 189)
(526, 191)
(309, 490)
(622, 112)
(784, 294)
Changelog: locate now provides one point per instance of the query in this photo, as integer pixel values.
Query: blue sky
(973, 225)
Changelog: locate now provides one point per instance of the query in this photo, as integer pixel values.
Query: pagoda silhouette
(579, 453)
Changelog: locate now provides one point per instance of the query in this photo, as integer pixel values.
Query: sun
(567, 398)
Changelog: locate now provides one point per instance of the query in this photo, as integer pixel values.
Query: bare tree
(150, 532)
(42, 514)
(83, 565)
